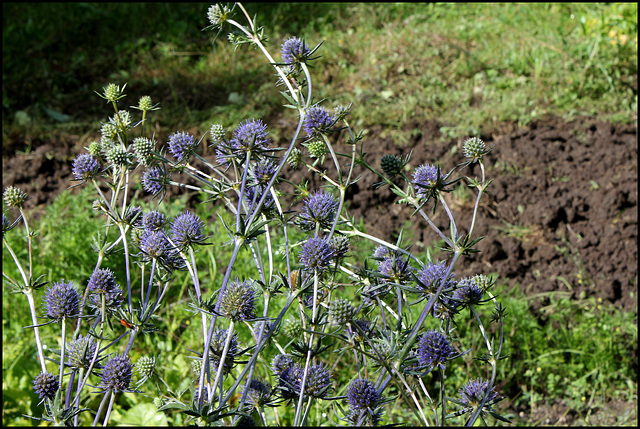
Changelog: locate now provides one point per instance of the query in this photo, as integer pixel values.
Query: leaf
(144, 415)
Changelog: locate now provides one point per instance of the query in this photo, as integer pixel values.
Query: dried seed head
(14, 197)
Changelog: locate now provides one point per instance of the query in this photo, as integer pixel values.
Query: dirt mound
(561, 213)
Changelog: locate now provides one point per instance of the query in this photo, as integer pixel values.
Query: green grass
(575, 350)
(469, 68)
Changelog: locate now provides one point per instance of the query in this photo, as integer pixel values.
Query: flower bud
(340, 311)
(46, 385)
(391, 165)
(14, 197)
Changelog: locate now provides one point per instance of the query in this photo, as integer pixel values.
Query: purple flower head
(80, 353)
(294, 51)
(263, 171)
(252, 195)
(362, 394)
(238, 301)
(46, 385)
(432, 275)
(317, 121)
(425, 178)
(154, 180)
(258, 393)
(467, 292)
(289, 381)
(471, 394)
(250, 135)
(318, 383)
(116, 374)
(380, 252)
(181, 144)
(317, 253)
(85, 167)
(103, 280)
(154, 244)
(153, 220)
(396, 268)
(217, 347)
(280, 363)
(434, 350)
(186, 229)
(318, 210)
(61, 301)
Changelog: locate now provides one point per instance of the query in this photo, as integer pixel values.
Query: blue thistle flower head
(434, 350)
(317, 253)
(471, 394)
(154, 244)
(317, 121)
(318, 210)
(380, 252)
(238, 301)
(153, 220)
(62, 301)
(103, 280)
(187, 229)
(280, 363)
(181, 145)
(85, 167)
(252, 195)
(218, 340)
(468, 292)
(396, 269)
(258, 393)
(430, 277)
(263, 171)
(294, 51)
(46, 385)
(425, 178)
(318, 384)
(250, 136)
(80, 353)
(362, 394)
(289, 381)
(116, 373)
(154, 180)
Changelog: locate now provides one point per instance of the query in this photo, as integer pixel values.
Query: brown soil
(561, 214)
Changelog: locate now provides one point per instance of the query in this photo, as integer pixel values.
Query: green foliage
(468, 68)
